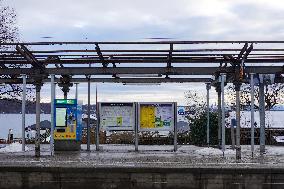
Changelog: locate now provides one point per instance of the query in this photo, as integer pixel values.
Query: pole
(52, 115)
(37, 138)
(98, 122)
(238, 120)
(24, 112)
(223, 78)
(136, 127)
(76, 92)
(262, 118)
(208, 112)
(252, 112)
(219, 114)
(233, 140)
(89, 112)
(175, 126)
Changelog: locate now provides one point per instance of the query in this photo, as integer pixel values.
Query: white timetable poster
(117, 116)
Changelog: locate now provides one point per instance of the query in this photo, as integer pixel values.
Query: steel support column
(208, 114)
(252, 113)
(218, 89)
(37, 137)
(24, 112)
(175, 126)
(136, 127)
(262, 118)
(238, 120)
(233, 138)
(98, 122)
(76, 91)
(52, 85)
(89, 119)
(223, 78)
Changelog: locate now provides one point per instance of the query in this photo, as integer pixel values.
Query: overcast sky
(133, 20)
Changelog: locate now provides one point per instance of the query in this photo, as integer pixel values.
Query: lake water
(14, 121)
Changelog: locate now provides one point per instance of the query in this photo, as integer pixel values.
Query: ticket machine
(68, 125)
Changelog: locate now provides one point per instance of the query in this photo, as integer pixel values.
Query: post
(233, 140)
(262, 118)
(52, 85)
(252, 113)
(223, 78)
(98, 122)
(89, 119)
(76, 92)
(218, 88)
(208, 112)
(238, 120)
(136, 127)
(24, 112)
(175, 126)
(37, 137)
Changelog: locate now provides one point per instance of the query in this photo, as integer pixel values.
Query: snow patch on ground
(213, 152)
(14, 147)
(274, 150)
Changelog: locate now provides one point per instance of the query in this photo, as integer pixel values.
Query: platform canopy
(140, 62)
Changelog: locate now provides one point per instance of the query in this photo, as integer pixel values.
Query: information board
(156, 116)
(117, 116)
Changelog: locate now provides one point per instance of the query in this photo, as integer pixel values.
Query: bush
(198, 130)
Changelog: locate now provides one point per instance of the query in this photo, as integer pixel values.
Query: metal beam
(243, 51)
(169, 63)
(141, 70)
(101, 57)
(24, 51)
(116, 80)
(143, 42)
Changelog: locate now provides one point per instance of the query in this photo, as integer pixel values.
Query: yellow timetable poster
(147, 117)
(156, 116)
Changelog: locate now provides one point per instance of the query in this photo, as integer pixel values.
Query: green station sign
(65, 101)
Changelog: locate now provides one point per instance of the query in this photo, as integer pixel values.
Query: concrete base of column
(262, 149)
(238, 153)
(67, 145)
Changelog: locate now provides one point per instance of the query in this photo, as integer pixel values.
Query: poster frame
(171, 128)
(132, 128)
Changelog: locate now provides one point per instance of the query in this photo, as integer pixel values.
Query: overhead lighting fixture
(139, 75)
(141, 84)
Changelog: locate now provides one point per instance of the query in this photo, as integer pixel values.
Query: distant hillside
(15, 107)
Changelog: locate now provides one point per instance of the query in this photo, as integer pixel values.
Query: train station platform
(119, 166)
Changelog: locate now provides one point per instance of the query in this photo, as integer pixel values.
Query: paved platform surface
(187, 156)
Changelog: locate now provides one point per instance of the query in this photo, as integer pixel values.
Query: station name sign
(65, 101)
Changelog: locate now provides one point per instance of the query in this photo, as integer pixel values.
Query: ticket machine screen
(61, 115)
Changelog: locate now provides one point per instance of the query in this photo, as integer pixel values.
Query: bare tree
(196, 102)
(273, 95)
(9, 33)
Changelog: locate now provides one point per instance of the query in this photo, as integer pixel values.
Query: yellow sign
(147, 117)
(156, 116)
(70, 133)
